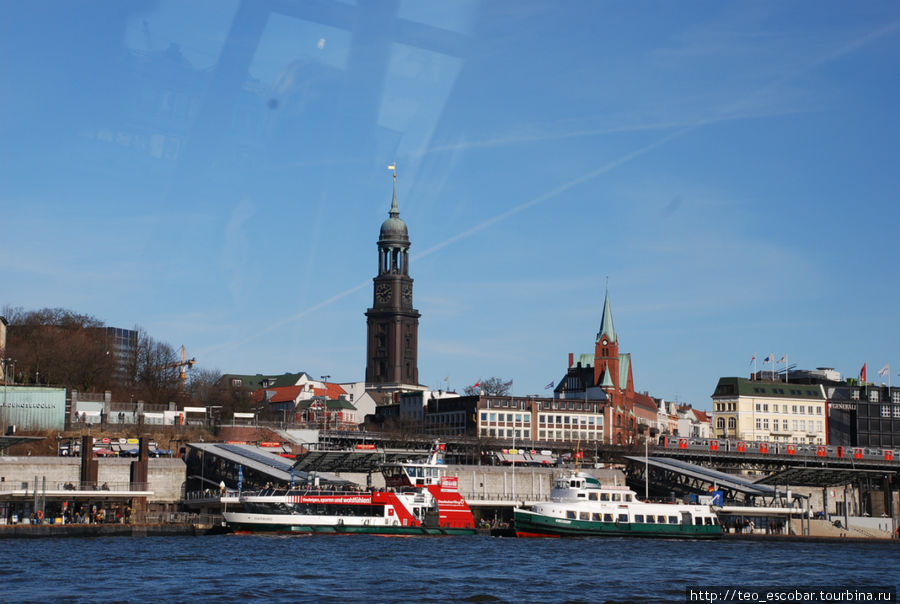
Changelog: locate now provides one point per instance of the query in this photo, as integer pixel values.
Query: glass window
(570, 514)
(584, 516)
(607, 518)
(597, 517)
(484, 416)
(627, 496)
(660, 519)
(518, 417)
(604, 496)
(623, 517)
(527, 418)
(885, 411)
(873, 396)
(895, 397)
(673, 519)
(896, 410)
(617, 497)
(651, 519)
(638, 517)
(592, 496)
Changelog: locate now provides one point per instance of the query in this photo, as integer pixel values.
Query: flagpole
(787, 363)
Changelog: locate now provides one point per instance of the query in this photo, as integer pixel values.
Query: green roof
(255, 382)
(624, 365)
(329, 404)
(606, 323)
(735, 386)
(586, 360)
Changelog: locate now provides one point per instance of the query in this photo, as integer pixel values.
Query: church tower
(393, 323)
(606, 352)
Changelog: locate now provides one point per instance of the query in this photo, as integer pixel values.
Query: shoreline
(38, 531)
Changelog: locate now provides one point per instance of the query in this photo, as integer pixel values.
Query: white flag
(884, 370)
(782, 359)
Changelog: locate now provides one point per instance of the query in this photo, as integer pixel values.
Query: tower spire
(395, 210)
(606, 324)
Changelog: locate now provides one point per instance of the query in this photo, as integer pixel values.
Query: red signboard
(269, 444)
(365, 447)
(449, 482)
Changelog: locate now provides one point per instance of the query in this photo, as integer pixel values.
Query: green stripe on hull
(534, 523)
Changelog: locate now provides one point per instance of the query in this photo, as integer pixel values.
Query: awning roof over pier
(714, 477)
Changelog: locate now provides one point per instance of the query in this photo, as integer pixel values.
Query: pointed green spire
(395, 210)
(606, 324)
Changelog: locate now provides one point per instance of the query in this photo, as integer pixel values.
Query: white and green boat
(580, 506)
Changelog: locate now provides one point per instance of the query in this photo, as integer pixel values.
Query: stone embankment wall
(166, 475)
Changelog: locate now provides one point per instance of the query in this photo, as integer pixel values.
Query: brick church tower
(393, 323)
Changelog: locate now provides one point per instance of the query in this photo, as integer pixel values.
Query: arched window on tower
(732, 423)
(720, 423)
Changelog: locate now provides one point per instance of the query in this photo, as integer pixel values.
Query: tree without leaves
(493, 386)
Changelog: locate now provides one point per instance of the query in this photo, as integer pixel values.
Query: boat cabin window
(617, 497)
(607, 517)
(584, 515)
(597, 517)
(698, 521)
(575, 484)
(638, 517)
(623, 517)
(660, 519)
(651, 519)
(570, 514)
(673, 519)
(604, 496)
(627, 496)
(582, 495)
(710, 521)
(592, 496)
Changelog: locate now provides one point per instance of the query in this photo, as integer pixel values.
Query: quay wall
(166, 476)
(36, 531)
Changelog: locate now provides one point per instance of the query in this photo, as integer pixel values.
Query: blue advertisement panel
(32, 408)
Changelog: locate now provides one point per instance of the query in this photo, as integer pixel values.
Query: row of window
(555, 405)
(795, 425)
(875, 396)
(506, 417)
(886, 411)
(764, 408)
(646, 519)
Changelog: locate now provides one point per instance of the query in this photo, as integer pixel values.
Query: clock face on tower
(407, 293)
(383, 292)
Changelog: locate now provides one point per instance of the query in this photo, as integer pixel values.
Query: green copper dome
(394, 229)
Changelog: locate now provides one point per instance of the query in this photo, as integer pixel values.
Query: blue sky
(216, 173)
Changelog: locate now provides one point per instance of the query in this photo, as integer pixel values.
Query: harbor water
(423, 569)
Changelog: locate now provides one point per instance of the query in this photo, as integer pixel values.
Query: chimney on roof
(571, 359)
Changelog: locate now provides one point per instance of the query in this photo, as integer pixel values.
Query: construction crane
(183, 365)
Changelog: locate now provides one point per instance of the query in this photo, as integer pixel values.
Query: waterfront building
(606, 377)
(310, 402)
(692, 422)
(864, 415)
(123, 345)
(392, 322)
(759, 410)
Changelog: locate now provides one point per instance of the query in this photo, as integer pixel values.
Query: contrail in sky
(822, 59)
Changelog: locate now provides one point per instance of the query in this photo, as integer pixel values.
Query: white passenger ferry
(580, 506)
